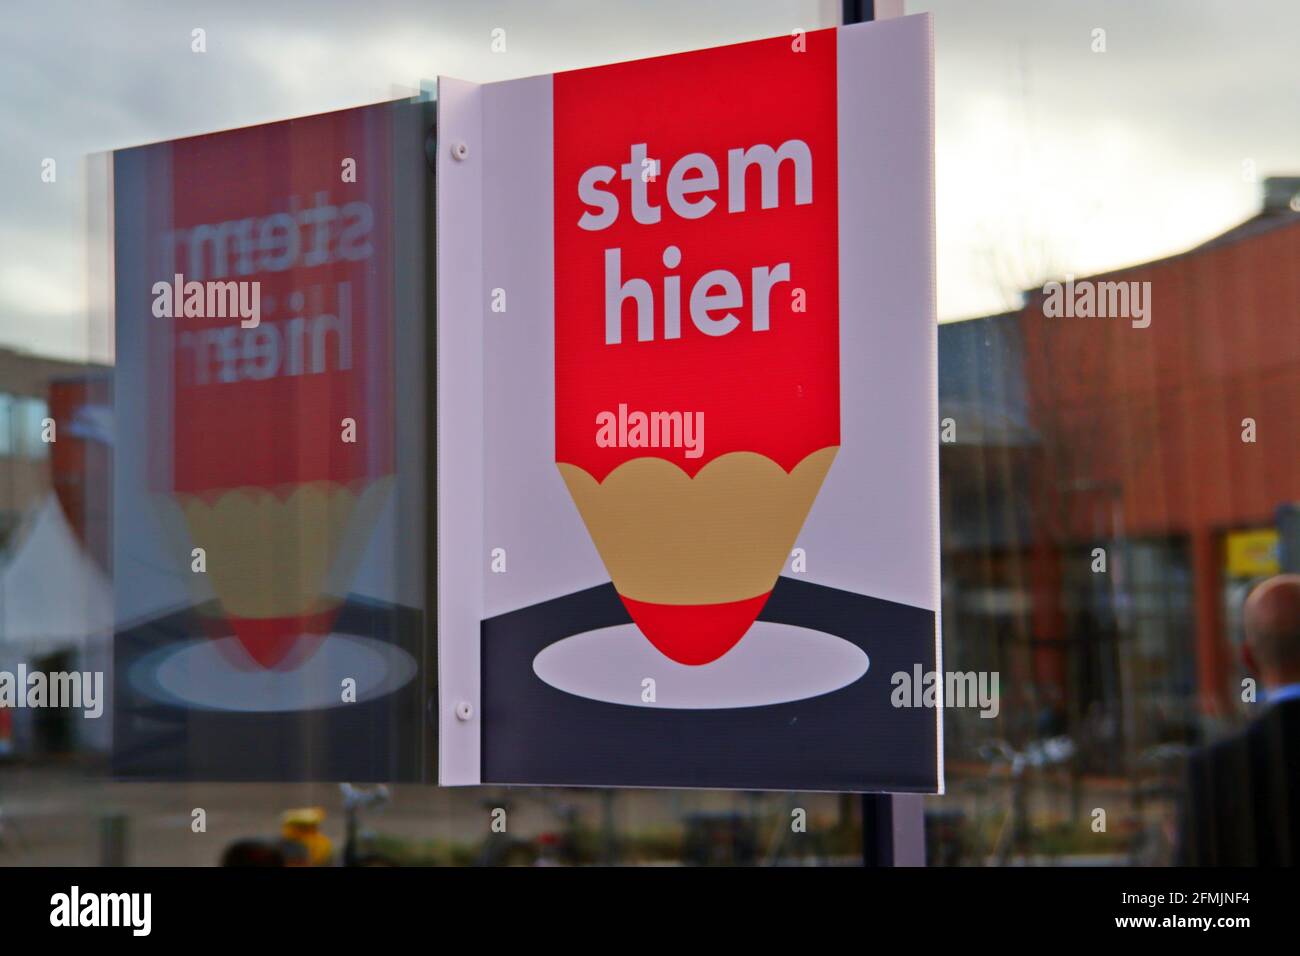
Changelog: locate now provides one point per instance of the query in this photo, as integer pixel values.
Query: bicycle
(355, 800)
(1014, 832)
(550, 849)
(1158, 778)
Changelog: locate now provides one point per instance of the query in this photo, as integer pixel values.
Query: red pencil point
(270, 641)
(695, 633)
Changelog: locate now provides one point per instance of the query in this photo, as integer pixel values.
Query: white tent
(53, 596)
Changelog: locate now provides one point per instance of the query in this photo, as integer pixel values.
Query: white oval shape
(198, 675)
(772, 664)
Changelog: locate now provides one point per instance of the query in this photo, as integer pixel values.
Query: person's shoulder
(1227, 748)
(1217, 755)
(1273, 721)
(1280, 718)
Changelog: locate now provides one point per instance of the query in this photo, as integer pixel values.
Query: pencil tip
(695, 633)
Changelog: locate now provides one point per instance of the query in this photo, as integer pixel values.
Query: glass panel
(1112, 489)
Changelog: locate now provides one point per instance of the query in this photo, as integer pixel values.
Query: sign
(269, 599)
(1252, 554)
(687, 419)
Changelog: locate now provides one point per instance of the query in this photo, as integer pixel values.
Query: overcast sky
(1051, 158)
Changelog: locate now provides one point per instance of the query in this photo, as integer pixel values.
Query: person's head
(252, 853)
(1272, 621)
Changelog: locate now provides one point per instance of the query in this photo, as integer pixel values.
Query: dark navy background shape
(850, 739)
(377, 740)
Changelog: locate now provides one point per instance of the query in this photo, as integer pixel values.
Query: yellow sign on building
(1252, 554)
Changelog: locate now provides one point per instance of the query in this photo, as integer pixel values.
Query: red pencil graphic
(255, 460)
(697, 325)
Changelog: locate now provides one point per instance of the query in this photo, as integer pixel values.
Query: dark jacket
(1242, 803)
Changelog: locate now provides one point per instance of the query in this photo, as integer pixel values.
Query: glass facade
(1110, 493)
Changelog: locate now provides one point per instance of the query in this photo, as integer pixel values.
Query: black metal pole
(877, 829)
(859, 11)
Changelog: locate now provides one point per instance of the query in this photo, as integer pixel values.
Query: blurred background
(1161, 149)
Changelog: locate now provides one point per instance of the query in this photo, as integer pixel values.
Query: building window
(6, 424)
(26, 425)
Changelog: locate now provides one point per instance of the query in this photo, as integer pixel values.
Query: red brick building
(1159, 446)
